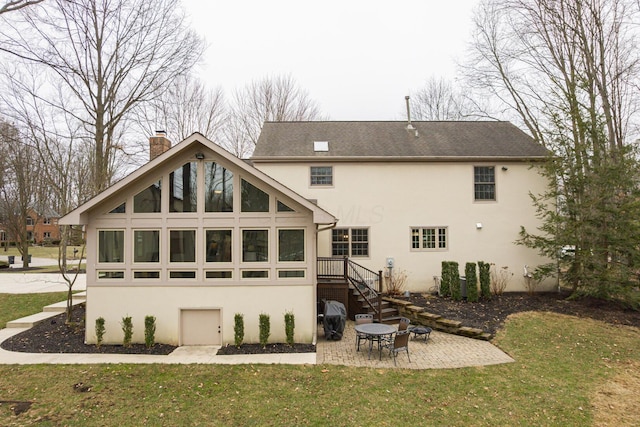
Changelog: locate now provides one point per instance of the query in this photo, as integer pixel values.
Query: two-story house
(409, 195)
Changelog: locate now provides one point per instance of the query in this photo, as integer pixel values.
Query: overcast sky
(358, 59)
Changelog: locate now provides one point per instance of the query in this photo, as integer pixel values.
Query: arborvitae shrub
(472, 281)
(238, 329)
(99, 331)
(289, 326)
(445, 280)
(127, 329)
(485, 279)
(149, 331)
(455, 281)
(265, 329)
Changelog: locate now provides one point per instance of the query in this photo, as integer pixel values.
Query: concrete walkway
(440, 352)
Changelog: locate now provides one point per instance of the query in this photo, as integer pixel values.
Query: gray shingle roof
(391, 139)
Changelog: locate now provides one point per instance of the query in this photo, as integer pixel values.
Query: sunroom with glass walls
(203, 222)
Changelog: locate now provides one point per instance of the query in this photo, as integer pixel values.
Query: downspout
(315, 288)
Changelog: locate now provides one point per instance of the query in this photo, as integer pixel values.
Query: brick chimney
(158, 144)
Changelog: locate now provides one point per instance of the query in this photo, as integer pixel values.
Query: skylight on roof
(320, 145)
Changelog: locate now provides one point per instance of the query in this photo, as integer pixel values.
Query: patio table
(375, 331)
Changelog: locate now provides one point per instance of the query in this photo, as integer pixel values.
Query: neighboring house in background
(41, 228)
(414, 194)
(193, 237)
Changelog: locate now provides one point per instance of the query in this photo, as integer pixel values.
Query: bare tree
(186, 107)
(21, 189)
(11, 6)
(439, 100)
(569, 70)
(270, 99)
(64, 160)
(109, 57)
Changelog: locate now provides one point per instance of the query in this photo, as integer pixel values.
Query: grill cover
(334, 320)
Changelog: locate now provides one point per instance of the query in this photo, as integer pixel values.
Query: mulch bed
(489, 315)
(54, 336)
(269, 348)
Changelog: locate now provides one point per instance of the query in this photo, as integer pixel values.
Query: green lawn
(560, 363)
(15, 306)
(39, 252)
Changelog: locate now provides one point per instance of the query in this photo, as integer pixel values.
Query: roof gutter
(387, 159)
(329, 227)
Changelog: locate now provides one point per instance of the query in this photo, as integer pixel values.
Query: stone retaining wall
(419, 315)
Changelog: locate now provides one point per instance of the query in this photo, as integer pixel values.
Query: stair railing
(366, 282)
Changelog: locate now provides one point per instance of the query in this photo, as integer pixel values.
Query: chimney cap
(161, 132)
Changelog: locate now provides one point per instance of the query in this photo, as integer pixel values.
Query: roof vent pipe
(409, 125)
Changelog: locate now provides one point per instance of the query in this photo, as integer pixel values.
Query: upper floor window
(253, 199)
(148, 200)
(46, 221)
(350, 242)
(111, 246)
(428, 238)
(218, 188)
(30, 221)
(484, 183)
(321, 175)
(183, 194)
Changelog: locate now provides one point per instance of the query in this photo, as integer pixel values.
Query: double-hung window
(350, 242)
(429, 238)
(484, 183)
(321, 175)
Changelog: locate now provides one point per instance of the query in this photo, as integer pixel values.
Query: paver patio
(441, 351)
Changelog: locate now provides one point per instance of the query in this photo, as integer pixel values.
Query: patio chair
(360, 319)
(404, 323)
(399, 343)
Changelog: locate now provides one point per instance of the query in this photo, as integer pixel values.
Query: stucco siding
(165, 302)
(391, 198)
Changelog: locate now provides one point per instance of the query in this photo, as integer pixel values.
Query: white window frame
(438, 232)
(312, 175)
(475, 183)
(350, 241)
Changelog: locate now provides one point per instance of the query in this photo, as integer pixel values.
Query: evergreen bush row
(127, 329)
(450, 280)
(264, 327)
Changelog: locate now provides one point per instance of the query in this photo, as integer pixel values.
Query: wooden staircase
(358, 288)
(357, 305)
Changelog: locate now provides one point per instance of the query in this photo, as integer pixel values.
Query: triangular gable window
(253, 199)
(119, 209)
(284, 208)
